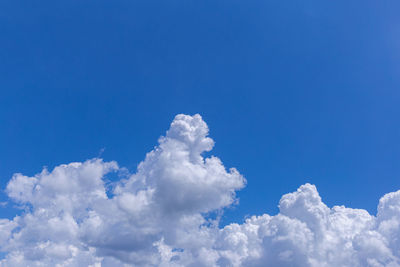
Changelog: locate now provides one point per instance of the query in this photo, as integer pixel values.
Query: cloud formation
(166, 214)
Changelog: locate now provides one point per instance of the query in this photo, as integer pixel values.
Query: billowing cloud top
(162, 216)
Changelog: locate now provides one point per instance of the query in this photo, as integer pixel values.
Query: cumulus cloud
(166, 214)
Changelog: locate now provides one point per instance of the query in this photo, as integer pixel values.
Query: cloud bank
(166, 214)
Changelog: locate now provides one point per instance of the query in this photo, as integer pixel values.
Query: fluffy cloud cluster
(166, 214)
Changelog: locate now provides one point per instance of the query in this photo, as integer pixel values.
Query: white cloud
(160, 216)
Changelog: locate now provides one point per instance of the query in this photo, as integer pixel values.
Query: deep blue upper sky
(293, 91)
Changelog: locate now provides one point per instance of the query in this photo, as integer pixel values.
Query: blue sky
(292, 91)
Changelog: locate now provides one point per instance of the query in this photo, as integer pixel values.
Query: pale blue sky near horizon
(292, 91)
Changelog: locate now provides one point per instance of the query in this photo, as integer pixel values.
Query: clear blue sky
(293, 91)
